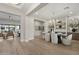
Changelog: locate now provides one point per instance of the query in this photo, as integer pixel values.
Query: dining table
(60, 37)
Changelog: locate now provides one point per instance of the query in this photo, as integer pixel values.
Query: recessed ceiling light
(70, 12)
(17, 3)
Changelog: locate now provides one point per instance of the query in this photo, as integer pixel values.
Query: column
(54, 25)
(27, 28)
(66, 25)
(22, 29)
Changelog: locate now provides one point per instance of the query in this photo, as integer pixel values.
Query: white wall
(9, 22)
(36, 32)
(46, 26)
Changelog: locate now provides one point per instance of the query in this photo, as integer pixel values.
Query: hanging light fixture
(9, 17)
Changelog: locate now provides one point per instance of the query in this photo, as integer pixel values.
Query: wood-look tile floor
(37, 47)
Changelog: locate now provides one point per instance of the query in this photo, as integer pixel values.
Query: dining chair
(67, 40)
(10, 36)
(1, 37)
(54, 38)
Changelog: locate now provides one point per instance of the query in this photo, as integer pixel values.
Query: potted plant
(73, 26)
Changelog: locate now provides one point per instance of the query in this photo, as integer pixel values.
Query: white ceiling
(24, 7)
(8, 16)
(19, 6)
(49, 11)
(57, 10)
